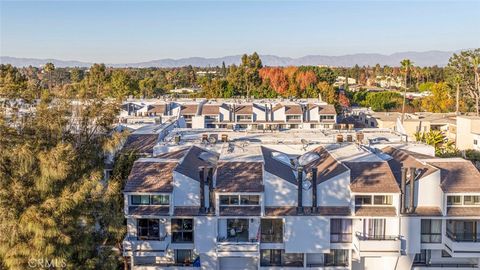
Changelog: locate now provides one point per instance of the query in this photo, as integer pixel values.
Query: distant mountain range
(428, 58)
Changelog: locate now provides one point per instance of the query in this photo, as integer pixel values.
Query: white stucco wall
(186, 191)
(308, 234)
(410, 231)
(279, 115)
(198, 121)
(335, 191)
(205, 238)
(279, 192)
(259, 115)
(428, 191)
(314, 116)
(224, 114)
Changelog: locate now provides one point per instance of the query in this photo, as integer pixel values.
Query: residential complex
(413, 122)
(233, 114)
(224, 199)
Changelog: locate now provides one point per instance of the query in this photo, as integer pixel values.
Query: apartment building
(468, 129)
(233, 114)
(283, 202)
(413, 122)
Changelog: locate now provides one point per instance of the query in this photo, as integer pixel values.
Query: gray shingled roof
(372, 177)
(239, 177)
(253, 210)
(401, 158)
(192, 162)
(327, 166)
(458, 176)
(147, 176)
(141, 143)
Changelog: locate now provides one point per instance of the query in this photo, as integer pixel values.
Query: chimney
(202, 189)
(411, 208)
(403, 198)
(211, 197)
(314, 190)
(300, 190)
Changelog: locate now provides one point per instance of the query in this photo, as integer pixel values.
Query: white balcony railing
(387, 245)
(145, 247)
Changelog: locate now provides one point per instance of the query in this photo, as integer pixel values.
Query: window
(475, 142)
(271, 231)
(140, 199)
(336, 257)
(326, 117)
(148, 229)
(471, 200)
(184, 257)
(244, 118)
(249, 199)
(239, 199)
(382, 200)
(454, 200)
(278, 257)
(422, 257)
(363, 200)
(237, 230)
(160, 200)
(374, 228)
(431, 230)
(229, 200)
(341, 230)
(293, 117)
(150, 199)
(182, 230)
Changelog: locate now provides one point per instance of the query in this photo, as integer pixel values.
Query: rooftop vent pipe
(403, 185)
(202, 189)
(314, 190)
(411, 208)
(300, 190)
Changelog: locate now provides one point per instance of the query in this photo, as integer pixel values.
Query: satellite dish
(212, 140)
(307, 158)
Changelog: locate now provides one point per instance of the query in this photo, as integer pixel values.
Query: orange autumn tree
(306, 79)
(276, 77)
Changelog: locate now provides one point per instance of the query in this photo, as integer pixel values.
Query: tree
(464, 68)
(439, 101)
(406, 66)
(48, 69)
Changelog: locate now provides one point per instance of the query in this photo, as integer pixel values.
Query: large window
(431, 231)
(336, 257)
(278, 257)
(293, 117)
(182, 230)
(244, 118)
(341, 230)
(148, 229)
(374, 229)
(226, 200)
(271, 230)
(150, 199)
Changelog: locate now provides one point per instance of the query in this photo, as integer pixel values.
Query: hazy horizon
(127, 32)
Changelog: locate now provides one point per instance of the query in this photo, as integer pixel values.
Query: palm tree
(406, 66)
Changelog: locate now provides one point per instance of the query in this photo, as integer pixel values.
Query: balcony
(132, 246)
(227, 247)
(462, 244)
(375, 245)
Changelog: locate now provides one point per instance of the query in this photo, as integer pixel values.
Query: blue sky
(133, 31)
